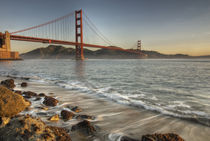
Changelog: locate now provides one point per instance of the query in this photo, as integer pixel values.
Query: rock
(25, 128)
(9, 83)
(42, 95)
(11, 103)
(24, 84)
(85, 117)
(162, 137)
(43, 108)
(67, 115)
(29, 94)
(85, 127)
(37, 99)
(4, 121)
(125, 138)
(60, 133)
(18, 92)
(76, 109)
(50, 101)
(54, 118)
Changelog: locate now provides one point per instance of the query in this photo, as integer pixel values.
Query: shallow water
(180, 88)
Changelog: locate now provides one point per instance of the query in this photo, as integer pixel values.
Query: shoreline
(115, 119)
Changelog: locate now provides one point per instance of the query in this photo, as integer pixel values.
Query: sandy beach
(112, 119)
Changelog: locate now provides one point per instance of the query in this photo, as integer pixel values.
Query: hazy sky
(167, 26)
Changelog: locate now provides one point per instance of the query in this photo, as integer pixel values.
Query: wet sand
(115, 119)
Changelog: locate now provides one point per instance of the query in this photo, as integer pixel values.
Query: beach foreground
(111, 120)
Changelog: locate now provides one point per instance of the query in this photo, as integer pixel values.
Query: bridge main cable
(49, 22)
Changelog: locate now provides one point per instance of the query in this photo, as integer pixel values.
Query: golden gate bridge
(59, 31)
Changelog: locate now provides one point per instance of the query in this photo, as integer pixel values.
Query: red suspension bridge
(60, 31)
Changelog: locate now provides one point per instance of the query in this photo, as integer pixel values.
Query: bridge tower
(79, 35)
(139, 45)
(5, 42)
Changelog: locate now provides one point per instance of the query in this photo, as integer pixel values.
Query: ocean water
(175, 87)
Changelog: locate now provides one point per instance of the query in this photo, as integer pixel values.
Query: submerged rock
(84, 127)
(11, 103)
(37, 99)
(42, 95)
(50, 101)
(67, 115)
(162, 137)
(18, 92)
(76, 109)
(26, 128)
(24, 84)
(85, 117)
(9, 83)
(29, 94)
(54, 118)
(125, 138)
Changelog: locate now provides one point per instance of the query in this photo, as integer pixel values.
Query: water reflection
(80, 70)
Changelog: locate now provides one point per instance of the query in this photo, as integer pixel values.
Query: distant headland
(60, 52)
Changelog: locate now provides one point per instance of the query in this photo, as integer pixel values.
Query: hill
(60, 52)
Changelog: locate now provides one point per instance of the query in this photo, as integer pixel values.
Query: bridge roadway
(52, 41)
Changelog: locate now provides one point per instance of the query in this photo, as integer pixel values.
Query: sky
(167, 26)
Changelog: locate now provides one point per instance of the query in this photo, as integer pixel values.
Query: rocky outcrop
(26, 128)
(67, 115)
(50, 101)
(9, 83)
(11, 103)
(162, 137)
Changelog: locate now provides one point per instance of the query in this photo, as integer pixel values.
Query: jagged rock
(42, 95)
(85, 117)
(11, 103)
(67, 115)
(26, 128)
(4, 121)
(76, 109)
(84, 127)
(24, 84)
(162, 137)
(50, 101)
(29, 94)
(54, 118)
(9, 83)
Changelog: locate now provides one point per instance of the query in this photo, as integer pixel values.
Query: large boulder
(26, 128)
(9, 83)
(162, 137)
(11, 103)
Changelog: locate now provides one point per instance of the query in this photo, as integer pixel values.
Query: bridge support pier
(79, 35)
(5, 48)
